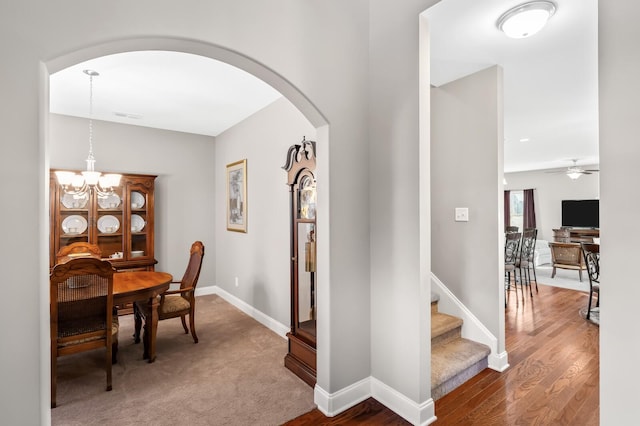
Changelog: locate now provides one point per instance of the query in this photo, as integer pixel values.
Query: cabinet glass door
(74, 218)
(139, 205)
(110, 224)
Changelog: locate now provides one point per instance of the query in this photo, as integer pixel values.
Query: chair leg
(192, 324)
(580, 274)
(553, 272)
(184, 324)
(137, 323)
(529, 281)
(589, 305)
(114, 352)
(535, 278)
(54, 374)
(108, 362)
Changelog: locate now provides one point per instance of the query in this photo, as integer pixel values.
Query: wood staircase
(454, 359)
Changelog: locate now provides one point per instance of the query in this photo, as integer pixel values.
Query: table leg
(150, 329)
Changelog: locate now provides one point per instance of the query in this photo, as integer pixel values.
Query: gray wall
(466, 150)
(315, 53)
(259, 258)
(619, 89)
(550, 190)
(352, 65)
(184, 196)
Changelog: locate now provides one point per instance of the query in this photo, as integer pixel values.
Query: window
(516, 209)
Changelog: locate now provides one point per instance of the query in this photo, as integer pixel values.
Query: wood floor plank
(553, 378)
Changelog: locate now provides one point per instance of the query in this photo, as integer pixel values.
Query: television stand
(575, 235)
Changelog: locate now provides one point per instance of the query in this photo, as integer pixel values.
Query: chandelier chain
(91, 115)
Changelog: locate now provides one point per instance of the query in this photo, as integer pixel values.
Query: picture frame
(237, 196)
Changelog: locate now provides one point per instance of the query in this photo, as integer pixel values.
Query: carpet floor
(235, 375)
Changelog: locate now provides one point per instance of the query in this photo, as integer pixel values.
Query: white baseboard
(417, 414)
(275, 326)
(337, 402)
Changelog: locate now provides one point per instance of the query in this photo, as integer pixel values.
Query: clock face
(307, 198)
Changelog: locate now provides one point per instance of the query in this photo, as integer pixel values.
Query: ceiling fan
(575, 171)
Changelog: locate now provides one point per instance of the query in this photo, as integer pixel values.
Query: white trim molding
(273, 325)
(417, 414)
(472, 329)
(335, 403)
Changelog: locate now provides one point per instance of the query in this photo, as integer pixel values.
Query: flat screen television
(581, 213)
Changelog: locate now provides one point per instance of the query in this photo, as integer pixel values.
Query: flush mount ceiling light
(526, 19)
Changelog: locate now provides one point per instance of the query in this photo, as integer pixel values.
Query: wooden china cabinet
(300, 167)
(120, 224)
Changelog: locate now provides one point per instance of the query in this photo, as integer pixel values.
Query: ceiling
(550, 83)
(550, 78)
(159, 89)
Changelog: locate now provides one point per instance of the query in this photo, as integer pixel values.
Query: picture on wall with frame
(237, 196)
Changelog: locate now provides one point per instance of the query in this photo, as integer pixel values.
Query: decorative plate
(137, 200)
(71, 201)
(108, 224)
(74, 224)
(109, 202)
(137, 223)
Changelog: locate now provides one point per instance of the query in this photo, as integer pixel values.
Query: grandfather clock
(300, 167)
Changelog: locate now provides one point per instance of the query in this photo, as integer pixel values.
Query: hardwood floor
(553, 378)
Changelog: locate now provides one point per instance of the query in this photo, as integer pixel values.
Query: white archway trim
(196, 47)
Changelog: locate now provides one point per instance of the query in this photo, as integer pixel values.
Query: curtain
(507, 209)
(529, 209)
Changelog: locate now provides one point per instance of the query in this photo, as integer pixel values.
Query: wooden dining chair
(176, 303)
(81, 312)
(591, 253)
(528, 249)
(511, 253)
(78, 249)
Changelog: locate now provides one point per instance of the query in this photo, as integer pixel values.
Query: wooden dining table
(142, 286)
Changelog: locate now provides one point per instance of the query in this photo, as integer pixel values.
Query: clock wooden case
(300, 167)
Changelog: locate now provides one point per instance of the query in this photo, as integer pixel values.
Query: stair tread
(442, 323)
(448, 359)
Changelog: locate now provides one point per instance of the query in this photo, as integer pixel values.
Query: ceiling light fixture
(526, 19)
(90, 179)
(574, 174)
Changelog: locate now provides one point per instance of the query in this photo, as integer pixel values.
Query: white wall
(259, 258)
(550, 190)
(619, 90)
(184, 190)
(398, 191)
(466, 150)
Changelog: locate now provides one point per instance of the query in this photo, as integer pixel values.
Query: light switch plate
(462, 214)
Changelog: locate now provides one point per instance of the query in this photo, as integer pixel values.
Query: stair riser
(446, 337)
(457, 380)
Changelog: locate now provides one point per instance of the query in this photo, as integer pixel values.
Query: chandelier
(89, 180)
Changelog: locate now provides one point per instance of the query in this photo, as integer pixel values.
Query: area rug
(564, 278)
(594, 317)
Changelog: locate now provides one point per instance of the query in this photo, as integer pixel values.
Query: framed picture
(237, 196)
